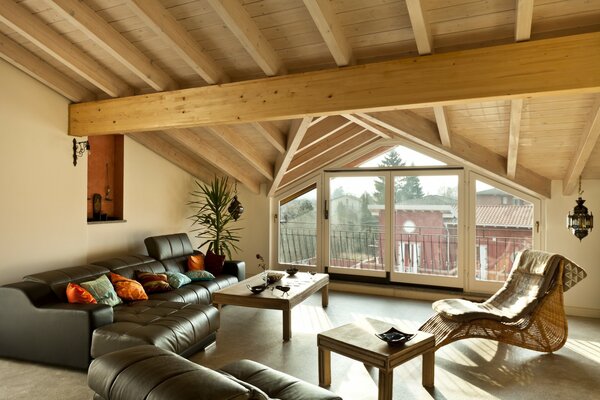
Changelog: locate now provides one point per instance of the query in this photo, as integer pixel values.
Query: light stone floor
(469, 369)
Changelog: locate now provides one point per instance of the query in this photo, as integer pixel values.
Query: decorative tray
(394, 337)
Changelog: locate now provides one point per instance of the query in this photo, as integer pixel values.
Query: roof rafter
(424, 132)
(272, 134)
(516, 108)
(157, 18)
(21, 20)
(105, 36)
(297, 131)
(239, 22)
(169, 152)
(245, 149)
(203, 148)
(589, 138)
(530, 69)
(31, 64)
(328, 25)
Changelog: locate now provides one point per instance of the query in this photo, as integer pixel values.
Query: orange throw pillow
(128, 289)
(78, 295)
(196, 262)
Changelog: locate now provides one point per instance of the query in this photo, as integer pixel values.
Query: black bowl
(256, 289)
(394, 337)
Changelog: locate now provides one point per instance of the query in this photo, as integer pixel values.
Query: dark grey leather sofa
(38, 324)
(147, 372)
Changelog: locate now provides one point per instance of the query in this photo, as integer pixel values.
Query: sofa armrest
(38, 327)
(235, 268)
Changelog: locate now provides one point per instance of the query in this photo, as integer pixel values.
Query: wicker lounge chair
(528, 311)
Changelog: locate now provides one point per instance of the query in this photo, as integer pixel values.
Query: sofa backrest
(172, 250)
(127, 265)
(58, 279)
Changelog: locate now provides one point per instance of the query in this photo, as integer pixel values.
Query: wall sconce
(79, 149)
(580, 222)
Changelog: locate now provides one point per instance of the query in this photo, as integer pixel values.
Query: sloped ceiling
(268, 91)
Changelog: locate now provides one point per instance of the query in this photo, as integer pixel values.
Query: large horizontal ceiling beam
(569, 64)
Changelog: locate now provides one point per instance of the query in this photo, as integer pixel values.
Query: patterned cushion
(153, 283)
(78, 295)
(102, 290)
(200, 275)
(128, 289)
(177, 279)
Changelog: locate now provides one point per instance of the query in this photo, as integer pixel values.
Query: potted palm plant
(213, 217)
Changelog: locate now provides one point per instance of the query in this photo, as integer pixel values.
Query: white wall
(43, 196)
(583, 299)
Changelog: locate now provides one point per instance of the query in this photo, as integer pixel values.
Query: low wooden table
(302, 284)
(358, 341)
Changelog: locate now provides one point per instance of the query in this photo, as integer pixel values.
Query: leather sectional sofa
(38, 324)
(147, 372)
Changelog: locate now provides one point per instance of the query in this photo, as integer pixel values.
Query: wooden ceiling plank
(170, 153)
(324, 128)
(523, 19)
(358, 120)
(516, 109)
(533, 69)
(297, 131)
(105, 36)
(18, 18)
(420, 26)
(312, 152)
(239, 22)
(272, 134)
(157, 18)
(34, 66)
(328, 157)
(330, 28)
(244, 148)
(441, 118)
(204, 148)
(589, 138)
(424, 132)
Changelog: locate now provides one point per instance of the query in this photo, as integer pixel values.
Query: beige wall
(43, 196)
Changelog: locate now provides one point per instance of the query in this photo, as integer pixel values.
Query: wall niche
(105, 179)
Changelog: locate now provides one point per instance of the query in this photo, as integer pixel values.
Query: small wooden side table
(358, 341)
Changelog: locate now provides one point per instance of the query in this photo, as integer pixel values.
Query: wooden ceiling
(269, 91)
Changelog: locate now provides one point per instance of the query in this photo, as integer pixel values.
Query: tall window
(298, 228)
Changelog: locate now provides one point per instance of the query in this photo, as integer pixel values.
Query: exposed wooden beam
(109, 39)
(516, 108)
(39, 69)
(323, 129)
(160, 20)
(564, 65)
(245, 149)
(424, 132)
(524, 16)
(166, 150)
(328, 25)
(441, 118)
(358, 120)
(272, 134)
(239, 22)
(361, 140)
(297, 131)
(588, 141)
(312, 152)
(420, 26)
(203, 147)
(34, 29)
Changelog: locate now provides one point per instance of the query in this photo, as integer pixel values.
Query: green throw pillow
(102, 290)
(200, 275)
(177, 279)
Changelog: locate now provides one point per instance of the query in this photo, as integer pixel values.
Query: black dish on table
(394, 337)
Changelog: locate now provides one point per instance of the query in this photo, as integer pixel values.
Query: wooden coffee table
(358, 341)
(302, 284)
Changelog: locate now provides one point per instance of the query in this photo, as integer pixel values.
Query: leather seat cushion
(168, 325)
